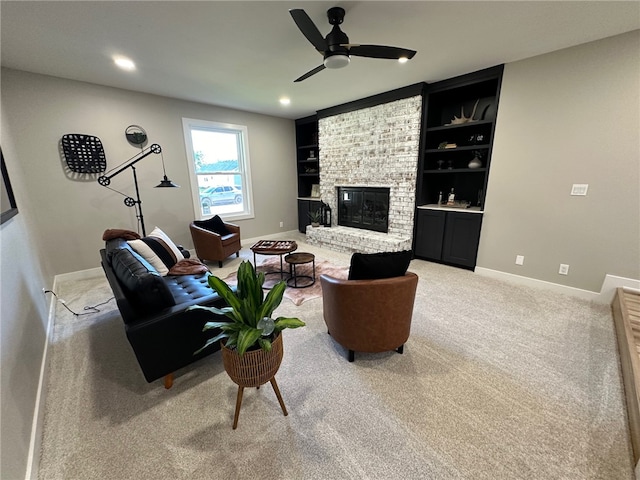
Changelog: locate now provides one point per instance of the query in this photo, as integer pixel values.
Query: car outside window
(219, 169)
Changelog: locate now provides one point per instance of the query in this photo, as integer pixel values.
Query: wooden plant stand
(254, 368)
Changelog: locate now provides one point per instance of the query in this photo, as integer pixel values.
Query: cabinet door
(429, 234)
(303, 215)
(461, 237)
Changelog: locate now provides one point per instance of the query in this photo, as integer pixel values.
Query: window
(220, 176)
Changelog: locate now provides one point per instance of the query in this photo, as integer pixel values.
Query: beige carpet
(296, 295)
(497, 382)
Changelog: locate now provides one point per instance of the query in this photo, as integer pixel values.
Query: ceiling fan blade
(319, 68)
(308, 29)
(381, 51)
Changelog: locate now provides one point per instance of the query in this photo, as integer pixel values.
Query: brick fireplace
(371, 147)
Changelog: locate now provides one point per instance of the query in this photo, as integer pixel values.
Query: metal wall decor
(135, 134)
(84, 153)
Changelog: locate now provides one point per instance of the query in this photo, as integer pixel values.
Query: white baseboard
(605, 296)
(35, 442)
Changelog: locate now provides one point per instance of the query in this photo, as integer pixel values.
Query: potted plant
(251, 339)
(315, 216)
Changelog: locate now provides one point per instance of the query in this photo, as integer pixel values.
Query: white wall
(72, 212)
(567, 117)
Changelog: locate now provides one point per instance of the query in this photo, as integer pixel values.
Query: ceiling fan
(335, 47)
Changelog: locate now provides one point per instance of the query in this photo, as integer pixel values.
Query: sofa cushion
(370, 266)
(142, 284)
(158, 249)
(213, 224)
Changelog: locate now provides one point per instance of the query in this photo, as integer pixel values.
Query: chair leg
(277, 390)
(351, 355)
(168, 381)
(400, 349)
(238, 405)
(220, 263)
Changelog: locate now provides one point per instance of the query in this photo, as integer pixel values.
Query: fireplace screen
(364, 207)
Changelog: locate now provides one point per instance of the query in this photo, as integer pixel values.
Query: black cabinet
(448, 237)
(305, 207)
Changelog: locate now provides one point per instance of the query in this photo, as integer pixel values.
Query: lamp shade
(166, 183)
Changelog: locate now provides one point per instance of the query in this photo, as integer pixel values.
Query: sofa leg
(220, 263)
(238, 254)
(351, 356)
(400, 349)
(168, 381)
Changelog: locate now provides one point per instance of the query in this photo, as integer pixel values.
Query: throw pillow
(214, 224)
(146, 252)
(164, 238)
(158, 249)
(371, 266)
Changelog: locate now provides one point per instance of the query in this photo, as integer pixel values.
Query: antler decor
(462, 119)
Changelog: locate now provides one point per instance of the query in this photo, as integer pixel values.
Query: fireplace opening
(364, 207)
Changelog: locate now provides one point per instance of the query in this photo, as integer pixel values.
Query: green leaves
(247, 306)
(281, 323)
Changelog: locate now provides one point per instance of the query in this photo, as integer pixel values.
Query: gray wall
(23, 321)
(73, 211)
(567, 117)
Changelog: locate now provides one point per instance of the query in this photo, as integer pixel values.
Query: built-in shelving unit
(308, 168)
(458, 130)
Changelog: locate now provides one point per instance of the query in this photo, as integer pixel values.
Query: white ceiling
(245, 55)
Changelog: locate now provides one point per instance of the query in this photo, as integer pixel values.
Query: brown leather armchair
(369, 315)
(213, 246)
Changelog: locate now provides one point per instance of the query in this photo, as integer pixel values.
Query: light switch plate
(579, 189)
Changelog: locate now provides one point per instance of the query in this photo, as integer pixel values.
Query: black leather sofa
(161, 332)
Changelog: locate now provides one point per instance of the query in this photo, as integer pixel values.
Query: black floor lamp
(105, 180)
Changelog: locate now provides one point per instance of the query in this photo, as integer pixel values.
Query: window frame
(244, 165)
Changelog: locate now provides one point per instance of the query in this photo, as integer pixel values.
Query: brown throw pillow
(112, 233)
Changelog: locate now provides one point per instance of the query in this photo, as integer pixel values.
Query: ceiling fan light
(403, 60)
(337, 61)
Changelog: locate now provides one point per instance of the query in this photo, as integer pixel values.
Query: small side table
(300, 258)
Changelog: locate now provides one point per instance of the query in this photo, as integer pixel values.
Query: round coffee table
(300, 258)
(273, 247)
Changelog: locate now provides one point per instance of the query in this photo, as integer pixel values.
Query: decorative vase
(255, 367)
(475, 163)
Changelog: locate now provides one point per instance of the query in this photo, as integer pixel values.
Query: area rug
(296, 295)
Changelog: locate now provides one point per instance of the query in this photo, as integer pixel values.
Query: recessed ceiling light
(124, 63)
(285, 101)
(403, 59)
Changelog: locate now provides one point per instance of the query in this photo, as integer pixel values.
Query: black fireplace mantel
(364, 207)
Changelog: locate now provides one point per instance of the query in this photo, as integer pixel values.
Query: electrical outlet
(564, 269)
(579, 189)
(519, 259)
(281, 224)
(44, 290)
